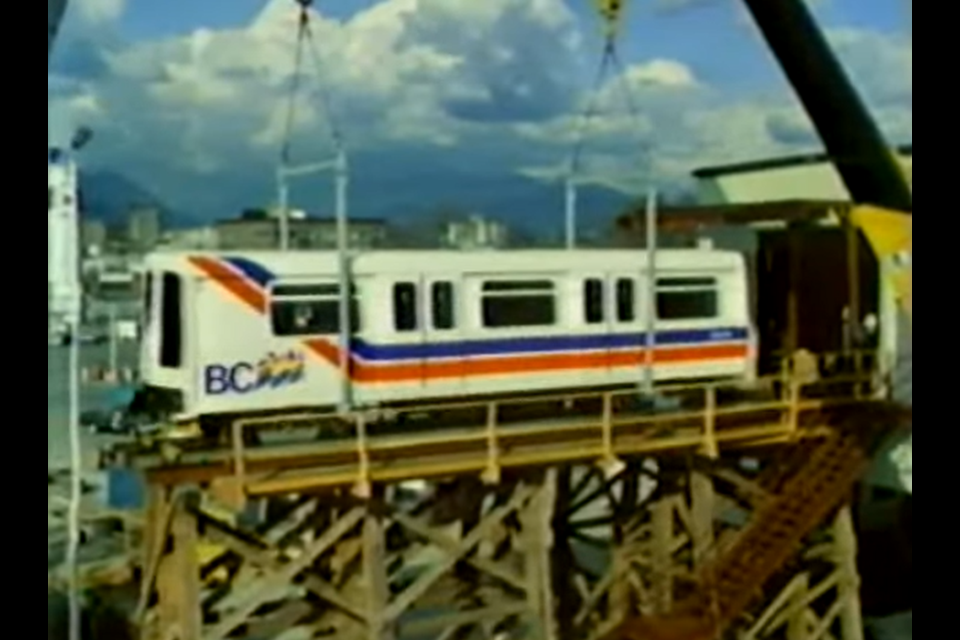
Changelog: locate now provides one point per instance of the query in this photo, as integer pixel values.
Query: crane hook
(611, 12)
(304, 12)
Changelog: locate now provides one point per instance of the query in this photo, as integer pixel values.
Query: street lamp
(80, 139)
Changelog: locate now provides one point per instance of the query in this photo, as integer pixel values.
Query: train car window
(171, 338)
(519, 304)
(310, 310)
(300, 290)
(677, 283)
(521, 286)
(593, 311)
(442, 305)
(405, 306)
(687, 298)
(626, 300)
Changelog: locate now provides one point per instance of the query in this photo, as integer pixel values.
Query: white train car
(229, 334)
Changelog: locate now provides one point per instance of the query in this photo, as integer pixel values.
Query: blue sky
(694, 32)
(443, 100)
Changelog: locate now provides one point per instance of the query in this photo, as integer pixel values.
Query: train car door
(625, 327)
(596, 315)
(408, 354)
(443, 338)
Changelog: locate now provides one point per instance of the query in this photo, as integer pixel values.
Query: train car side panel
(247, 359)
(416, 345)
(517, 326)
(702, 323)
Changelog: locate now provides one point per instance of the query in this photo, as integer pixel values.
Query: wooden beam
(160, 508)
(289, 571)
(451, 545)
(471, 540)
(267, 559)
(845, 538)
(379, 622)
(184, 529)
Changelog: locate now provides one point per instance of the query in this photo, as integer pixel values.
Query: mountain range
(534, 208)
(108, 196)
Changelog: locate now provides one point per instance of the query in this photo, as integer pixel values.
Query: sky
(444, 102)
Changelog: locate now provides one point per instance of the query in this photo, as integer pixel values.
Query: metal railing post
(363, 488)
(491, 474)
(710, 446)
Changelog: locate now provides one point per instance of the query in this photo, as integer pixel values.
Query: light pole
(651, 288)
(114, 347)
(570, 209)
(80, 139)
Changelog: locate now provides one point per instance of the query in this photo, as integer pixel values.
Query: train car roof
(399, 261)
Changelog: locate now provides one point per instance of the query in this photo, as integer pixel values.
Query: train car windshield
(147, 293)
(170, 320)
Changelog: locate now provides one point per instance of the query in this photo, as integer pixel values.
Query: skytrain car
(240, 335)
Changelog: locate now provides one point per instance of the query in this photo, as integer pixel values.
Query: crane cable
(611, 14)
(306, 40)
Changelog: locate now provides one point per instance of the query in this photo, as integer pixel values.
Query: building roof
(688, 219)
(776, 163)
(300, 221)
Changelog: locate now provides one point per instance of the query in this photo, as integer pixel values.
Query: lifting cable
(305, 40)
(611, 14)
(338, 165)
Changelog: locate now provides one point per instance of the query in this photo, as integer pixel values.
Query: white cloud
(685, 123)
(98, 12)
(488, 82)
(880, 65)
(677, 5)
(406, 66)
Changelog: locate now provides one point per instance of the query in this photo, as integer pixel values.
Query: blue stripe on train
(256, 272)
(517, 346)
(506, 346)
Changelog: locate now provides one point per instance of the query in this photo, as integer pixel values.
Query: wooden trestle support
(458, 557)
(566, 554)
(752, 540)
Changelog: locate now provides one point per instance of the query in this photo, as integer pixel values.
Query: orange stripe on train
(548, 363)
(232, 282)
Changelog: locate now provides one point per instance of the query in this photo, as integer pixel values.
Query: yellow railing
(488, 436)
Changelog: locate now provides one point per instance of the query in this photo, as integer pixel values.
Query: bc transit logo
(271, 372)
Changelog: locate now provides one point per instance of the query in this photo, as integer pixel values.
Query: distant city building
(474, 232)
(112, 282)
(195, 239)
(94, 237)
(808, 177)
(143, 229)
(263, 234)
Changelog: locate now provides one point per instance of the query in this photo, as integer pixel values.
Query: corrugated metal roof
(298, 221)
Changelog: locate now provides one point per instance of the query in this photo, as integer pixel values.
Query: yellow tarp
(890, 233)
